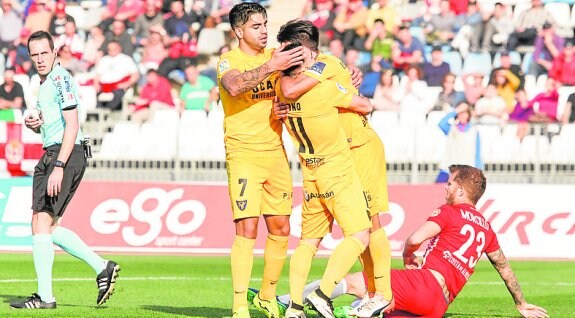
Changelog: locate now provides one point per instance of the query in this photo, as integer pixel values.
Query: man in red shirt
(458, 235)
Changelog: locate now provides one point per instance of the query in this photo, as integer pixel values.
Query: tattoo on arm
(500, 263)
(239, 83)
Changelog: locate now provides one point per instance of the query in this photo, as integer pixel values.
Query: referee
(57, 176)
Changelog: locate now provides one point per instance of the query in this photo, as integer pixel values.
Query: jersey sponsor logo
(67, 84)
(313, 163)
(311, 196)
(435, 212)
(60, 91)
(224, 66)
(317, 68)
(456, 263)
(242, 204)
(341, 88)
(264, 90)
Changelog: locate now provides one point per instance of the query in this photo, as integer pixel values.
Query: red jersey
(465, 235)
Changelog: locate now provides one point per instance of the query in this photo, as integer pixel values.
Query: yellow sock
(367, 264)
(299, 267)
(242, 259)
(340, 262)
(274, 259)
(381, 255)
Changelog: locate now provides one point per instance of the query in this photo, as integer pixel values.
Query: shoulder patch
(317, 68)
(341, 88)
(224, 65)
(435, 212)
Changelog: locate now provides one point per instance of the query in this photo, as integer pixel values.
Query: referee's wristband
(59, 164)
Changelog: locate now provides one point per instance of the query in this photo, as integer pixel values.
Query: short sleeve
(338, 95)
(493, 244)
(66, 91)
(225, 64)
(440, 216)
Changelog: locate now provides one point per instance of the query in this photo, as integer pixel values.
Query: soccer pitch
(197, 286)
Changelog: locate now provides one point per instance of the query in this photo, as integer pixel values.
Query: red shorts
(417, 291)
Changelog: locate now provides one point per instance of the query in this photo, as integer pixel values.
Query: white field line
(193, 278)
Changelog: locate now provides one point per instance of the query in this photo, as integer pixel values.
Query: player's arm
(500, 263)
(237, 83)
(361, 105)
(71, 128)
(426, 231)
(293, 88)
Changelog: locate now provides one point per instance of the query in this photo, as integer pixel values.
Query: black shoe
(33, 302)
(106, 281)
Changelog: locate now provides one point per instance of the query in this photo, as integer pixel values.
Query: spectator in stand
(529, 24)
(490, 108)
(198, 92)
(178, 23)
(151, 16)
(199, 13)
(548, 46)
(115, 72)
(336, 49)
(59, 19)
(221, 11)
(545, 104)
(497, 29)
(119, 34)
(386, 95)
(70, 62)
(469, 27)
(568, 116)
(441, 27)
(473, 87)
(382, 10)
(521, 114)
(154, 50)
(155, 95)
(448, 97)
(124, 10)
(413, 91)
(380, 43)
(10, 26)
(435, 70)
(11, 92)
(459, 7)
(506, 65)
(563, 67)
(463, 143)
(351, 59)
(507, 83)
(71, 39)
(19, 57)
(322, 16)
(349, 24)
(39, 19)
(180, 55)
(94, 42)
(407, 49)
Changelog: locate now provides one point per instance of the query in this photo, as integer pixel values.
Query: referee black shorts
(73, 173)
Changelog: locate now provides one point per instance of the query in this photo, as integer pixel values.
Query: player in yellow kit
(259, 178)
(329, 175)
(369, 157)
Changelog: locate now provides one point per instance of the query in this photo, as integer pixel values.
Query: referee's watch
(59, 164)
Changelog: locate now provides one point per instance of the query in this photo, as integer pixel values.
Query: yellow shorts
(369, 160)
(339, 197)
(259, 186)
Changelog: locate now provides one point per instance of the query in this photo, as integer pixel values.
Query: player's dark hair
(288, 47)
(302, 31)
(39, 35)
(241, 13)
(471, 179)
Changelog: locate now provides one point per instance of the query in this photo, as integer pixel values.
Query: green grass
(194, 286)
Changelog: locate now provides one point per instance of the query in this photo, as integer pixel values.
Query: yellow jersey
(249, 128)
(355, 125)
(313, 124)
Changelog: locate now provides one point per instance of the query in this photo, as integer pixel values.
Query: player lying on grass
(459, 235)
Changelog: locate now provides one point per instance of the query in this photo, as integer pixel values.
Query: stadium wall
(532, 221)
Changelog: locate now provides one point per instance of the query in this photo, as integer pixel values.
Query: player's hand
(286, 59)
(532, 311)
(55, 182)
(280, 109)
(411, 261)
(356, 76)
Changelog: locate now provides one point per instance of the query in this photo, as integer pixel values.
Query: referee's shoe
(106, 281)
(33, 302)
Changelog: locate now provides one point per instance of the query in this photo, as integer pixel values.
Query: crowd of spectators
(152, 45)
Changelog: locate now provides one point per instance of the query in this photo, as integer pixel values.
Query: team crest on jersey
(317, 68)
(224, 66)
(341, 88)
(435, 212)
(242, 204)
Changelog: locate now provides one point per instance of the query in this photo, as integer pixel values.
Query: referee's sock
(43, 253)
(381, 255)
(242, 259)
(274, 259)
(340, 262)
(73, 245)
